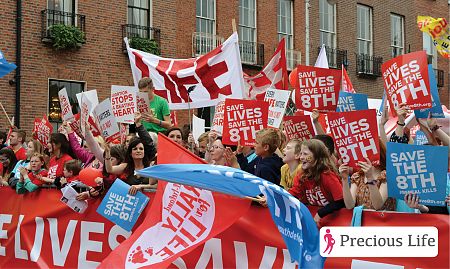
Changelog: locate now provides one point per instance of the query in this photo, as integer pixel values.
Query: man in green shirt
(158, 119)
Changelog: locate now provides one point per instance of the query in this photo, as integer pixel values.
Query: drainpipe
(307, 5)
(18, 60)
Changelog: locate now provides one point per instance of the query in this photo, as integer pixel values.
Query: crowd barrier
(37, 230)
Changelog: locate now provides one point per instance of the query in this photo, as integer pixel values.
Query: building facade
(359, 35)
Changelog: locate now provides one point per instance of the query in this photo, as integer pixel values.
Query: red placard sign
(356, 136)
(42, 130)
(317, 88)
(406, 81)
(299, 127)
(243, 118)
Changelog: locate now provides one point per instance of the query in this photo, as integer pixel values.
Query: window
(327, 27)
(247, 30)
(285, 26)
(206, 16)
(430, 49)
(54, 86)
(364, 29)
(61, 12)
(139, 12)
(397, 35)
(61, 5)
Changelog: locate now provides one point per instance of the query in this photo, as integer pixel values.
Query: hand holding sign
(368, 169)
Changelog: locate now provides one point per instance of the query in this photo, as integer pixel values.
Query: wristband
(401, 124)
(160, 123)
(373, 182)
(435, 128)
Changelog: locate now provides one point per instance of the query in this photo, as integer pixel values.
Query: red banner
(355, 135)
(299, 127)
(243, 118)
(51, 236)
(317, 88)
(406, 81)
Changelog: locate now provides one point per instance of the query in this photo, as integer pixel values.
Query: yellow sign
(439, 30)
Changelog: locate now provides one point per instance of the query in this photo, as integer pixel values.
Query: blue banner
(417, 169)
(120, 207)
(420, 138)
(292, 218)
(351, 102)
(436, 110)
(5, 66)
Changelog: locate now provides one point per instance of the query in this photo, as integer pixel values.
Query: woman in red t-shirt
(319, 183)
(61, 152)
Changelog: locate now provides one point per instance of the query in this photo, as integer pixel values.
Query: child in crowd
(291, 158)
(318, 184)
(267, 163)
(33, 180)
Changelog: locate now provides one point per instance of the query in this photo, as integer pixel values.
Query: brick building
(359, 34)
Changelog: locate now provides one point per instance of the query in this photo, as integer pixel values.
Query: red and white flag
(274, 75)
(347, 85)
(182, 218)
(219, 72)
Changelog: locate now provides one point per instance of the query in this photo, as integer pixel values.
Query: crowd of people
(310, 170)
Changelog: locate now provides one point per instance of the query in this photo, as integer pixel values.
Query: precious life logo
(376, 241)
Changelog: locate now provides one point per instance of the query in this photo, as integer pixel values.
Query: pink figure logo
(328, 237)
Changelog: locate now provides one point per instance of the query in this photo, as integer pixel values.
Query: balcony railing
(439, 77)
(203, 43)
(132, 30)
(368, 65)
(51, 17)
(293, 58)
(336, 57)
(252, 53)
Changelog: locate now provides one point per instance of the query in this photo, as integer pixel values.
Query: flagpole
(189, 90)
(6, 114)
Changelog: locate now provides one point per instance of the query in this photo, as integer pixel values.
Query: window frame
(289, 37)
(148, 9)
(402, 34)
(370, 20)
(326, 31)
(213, 19)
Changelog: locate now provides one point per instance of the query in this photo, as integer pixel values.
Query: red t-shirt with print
(309, 193)
(35, 180)
(56, 166)
(21, 153)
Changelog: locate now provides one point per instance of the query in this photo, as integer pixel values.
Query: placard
(243, 118)
(106, 120)
(299, 127)
(436, 110)
(317, 88)
(406, 81)
(66, 108)
(86, 108)
(123, 102)
(352, 102)
(417, 169)
(355, 135)
(42, 130)
(217, 124)
(278, 100)
(143, 103)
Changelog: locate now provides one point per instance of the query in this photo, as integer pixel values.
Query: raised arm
(315, 117)
(348, 192)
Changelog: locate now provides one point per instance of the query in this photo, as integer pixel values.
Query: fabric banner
(106, 120)
(274, 75)
(217, 124)
(219, 72)
(417, 169)
(352, 102)
(347, 85)
(406, 81)
(36, 237)
(355, 135)
(66, 108)
(123, 102)
(317, 88)
(299, 127)
(436, 110)
(242, 119)
(439, 31)
(5, 66)
(122, 208)
(278, 100)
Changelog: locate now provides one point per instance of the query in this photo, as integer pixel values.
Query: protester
(31, 181)
(8, 161)
(221, 155)
(33, 146)
(139, 154)
(61, 152)
(247, 152)
(292, 167)
(3, 137)
(400, 135)
(16, 141)
(92, 156)
(412, 200)
(318, 184)
(128, 139)
(267, 163)
(202, 144)
(368, 185)
(176, 135)
(158, 120)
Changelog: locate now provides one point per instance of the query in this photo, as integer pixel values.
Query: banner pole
(233, 24)
(6, 114)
